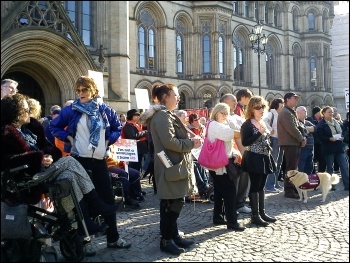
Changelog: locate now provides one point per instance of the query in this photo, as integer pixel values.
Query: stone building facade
(202, 47)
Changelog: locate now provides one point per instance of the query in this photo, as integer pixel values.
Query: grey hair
(219, 108)
(180, 112)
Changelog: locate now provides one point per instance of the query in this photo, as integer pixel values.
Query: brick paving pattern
(312, 232)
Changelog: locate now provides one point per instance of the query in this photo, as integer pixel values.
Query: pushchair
(46, 226)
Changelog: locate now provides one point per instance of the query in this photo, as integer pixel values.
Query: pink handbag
(213, 154)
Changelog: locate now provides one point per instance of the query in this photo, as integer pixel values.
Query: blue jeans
(202, 177)
(277, 154)
(306, 160)
(342, 161)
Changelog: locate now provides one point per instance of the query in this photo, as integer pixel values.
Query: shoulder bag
(213, 154)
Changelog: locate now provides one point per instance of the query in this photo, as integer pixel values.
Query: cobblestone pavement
(312, 232)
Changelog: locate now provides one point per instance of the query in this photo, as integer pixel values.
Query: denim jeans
(306, 160)
(202, 177)
(341, 159)
(277, 154)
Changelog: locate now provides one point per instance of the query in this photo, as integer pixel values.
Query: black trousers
(103, 185)
(224, 192)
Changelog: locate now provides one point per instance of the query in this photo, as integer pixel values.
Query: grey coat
(170, 135)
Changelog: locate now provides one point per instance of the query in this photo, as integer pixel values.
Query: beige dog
(304, 183)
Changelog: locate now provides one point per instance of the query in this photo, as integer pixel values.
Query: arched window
(80, 14)
(276, 14)
(207, 100)
(256, 6)
(313, 74)
(206, 54)
(146, 41)
(238, 71)
(142, 47)
(235, 7)
(270, 69)
(266, 14)
(246, 8)
(295, 20)
(221, 55)
(311, 21)
(179, 54)
(324, 23)
(238, 59)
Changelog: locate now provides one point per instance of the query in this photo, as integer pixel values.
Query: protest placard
(125, 150)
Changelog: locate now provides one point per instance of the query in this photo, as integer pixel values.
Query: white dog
(304, 183)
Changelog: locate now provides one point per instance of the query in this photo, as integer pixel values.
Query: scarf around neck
(91, 108)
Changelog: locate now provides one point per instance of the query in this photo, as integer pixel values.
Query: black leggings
(257, 182)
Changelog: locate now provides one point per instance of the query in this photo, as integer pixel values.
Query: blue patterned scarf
(91, 108)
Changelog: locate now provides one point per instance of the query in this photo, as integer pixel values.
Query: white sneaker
(245, 210)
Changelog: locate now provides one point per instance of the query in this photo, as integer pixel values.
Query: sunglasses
(83, 90)
(259, 107)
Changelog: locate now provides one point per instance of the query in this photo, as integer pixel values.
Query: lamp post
(256, 39)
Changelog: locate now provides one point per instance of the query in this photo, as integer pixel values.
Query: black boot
(255, 217)
(171, 247)
(97, 206)
(182, 242)
(262, 208)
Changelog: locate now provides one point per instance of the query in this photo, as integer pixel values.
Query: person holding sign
(133, 130)
(174, 175)
(92, 126)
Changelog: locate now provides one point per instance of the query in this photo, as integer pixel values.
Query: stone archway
(51, 60)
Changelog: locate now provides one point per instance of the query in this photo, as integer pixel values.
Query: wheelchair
(47, 227)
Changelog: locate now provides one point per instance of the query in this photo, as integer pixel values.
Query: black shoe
(219, 221)
(181, 242)
(143, 192)
(132, 203)
(170, 247)
(120, 243)
(236, 227)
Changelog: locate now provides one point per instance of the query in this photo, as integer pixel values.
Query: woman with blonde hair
(257, 159)
(224, 187)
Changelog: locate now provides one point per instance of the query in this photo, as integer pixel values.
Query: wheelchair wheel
(72, 247)
(211, 197)
(11, 251)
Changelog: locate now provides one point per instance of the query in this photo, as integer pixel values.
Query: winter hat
(315, 110)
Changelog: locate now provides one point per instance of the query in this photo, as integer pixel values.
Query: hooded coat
(170, 135)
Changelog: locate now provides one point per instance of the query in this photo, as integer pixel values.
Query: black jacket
(324, 133)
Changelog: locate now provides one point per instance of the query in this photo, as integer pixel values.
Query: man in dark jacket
(290, 139)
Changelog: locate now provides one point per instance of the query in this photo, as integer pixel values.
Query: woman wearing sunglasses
(92, 126)
(257, 159)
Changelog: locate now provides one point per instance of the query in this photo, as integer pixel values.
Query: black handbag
(233, 169)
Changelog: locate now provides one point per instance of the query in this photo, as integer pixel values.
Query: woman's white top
(267, 121)
(222, 131)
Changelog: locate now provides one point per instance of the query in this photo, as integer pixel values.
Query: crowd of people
(265, 140)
